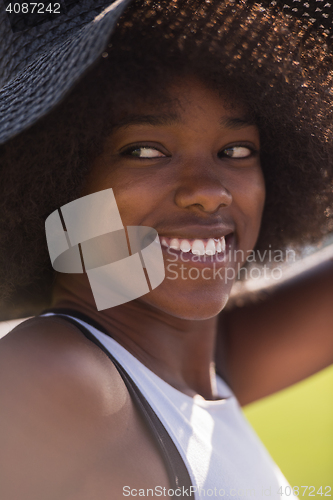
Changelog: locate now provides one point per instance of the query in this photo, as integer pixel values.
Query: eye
(143, 152)
(237, 152)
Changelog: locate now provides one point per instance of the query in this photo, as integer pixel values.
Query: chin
(193, 305)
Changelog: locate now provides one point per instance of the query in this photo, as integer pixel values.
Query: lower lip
(202, 260)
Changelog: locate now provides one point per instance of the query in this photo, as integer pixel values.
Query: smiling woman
(210, 122)
(286, 104)
(197, 178)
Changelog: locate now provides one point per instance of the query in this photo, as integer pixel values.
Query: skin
(69, 425)
(189, 188)
(288, 336)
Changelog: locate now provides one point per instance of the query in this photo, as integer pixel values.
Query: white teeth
(223, 244)
(174, 243)
(220, 246)
(198, 247)
(210, 247)
(185, 246)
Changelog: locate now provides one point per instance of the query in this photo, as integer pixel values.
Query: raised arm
(275, 342)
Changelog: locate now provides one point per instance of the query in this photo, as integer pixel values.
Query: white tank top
(223, 455)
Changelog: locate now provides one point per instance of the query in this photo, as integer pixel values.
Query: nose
(201, 190)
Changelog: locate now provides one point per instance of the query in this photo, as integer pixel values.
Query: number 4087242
(309, 491)
(33, 8)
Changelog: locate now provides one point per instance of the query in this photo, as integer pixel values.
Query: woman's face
(191, 170)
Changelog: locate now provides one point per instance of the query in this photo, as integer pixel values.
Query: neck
(180, 351)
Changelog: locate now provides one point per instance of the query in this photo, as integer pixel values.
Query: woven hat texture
(41, 64)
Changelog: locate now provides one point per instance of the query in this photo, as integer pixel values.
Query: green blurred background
(296, 425)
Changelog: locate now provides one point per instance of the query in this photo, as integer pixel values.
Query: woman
(200, 119)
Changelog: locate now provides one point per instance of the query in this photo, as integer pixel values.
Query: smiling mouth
(207, 246)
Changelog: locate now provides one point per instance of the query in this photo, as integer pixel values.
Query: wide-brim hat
(43, 56)
(39, 64)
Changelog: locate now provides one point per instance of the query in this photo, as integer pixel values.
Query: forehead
(181, 100)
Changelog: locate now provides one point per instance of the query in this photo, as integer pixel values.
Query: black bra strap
(176, 468)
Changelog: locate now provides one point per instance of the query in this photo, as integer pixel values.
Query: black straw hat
(41, 63)
(43, 56)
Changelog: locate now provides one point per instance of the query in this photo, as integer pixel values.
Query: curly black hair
(256, 56)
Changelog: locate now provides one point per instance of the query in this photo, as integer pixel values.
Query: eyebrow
(236, 123)
(233, 123)
(153, 120)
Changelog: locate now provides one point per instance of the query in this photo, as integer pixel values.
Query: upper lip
(198, 232)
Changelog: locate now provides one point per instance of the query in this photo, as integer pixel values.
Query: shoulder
(62, 403)
(48, 359)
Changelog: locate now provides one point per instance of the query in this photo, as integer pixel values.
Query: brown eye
(237, 152)
(143, 152)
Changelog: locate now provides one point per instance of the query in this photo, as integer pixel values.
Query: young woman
(210, 123)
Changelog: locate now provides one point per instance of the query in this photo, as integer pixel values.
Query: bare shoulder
(57, 357)
(59, 396)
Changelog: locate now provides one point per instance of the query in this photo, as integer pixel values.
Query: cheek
(139, 200)
(249, 199)
(133, 190)
(256, 198)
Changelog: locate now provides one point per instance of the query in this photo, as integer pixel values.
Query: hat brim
(37, 89)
